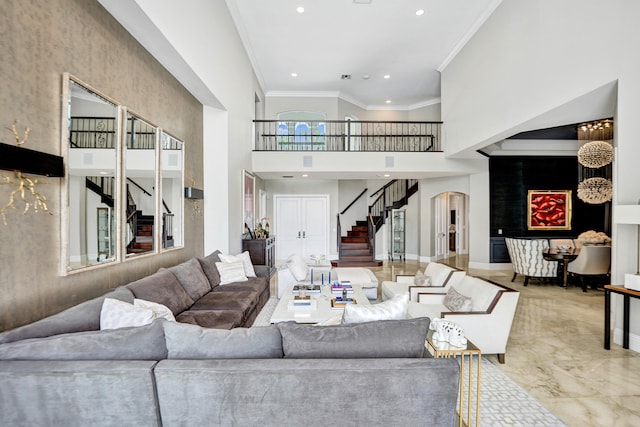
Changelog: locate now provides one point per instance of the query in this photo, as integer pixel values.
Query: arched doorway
(451, 224)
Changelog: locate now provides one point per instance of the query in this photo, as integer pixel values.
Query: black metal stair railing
(347, 135)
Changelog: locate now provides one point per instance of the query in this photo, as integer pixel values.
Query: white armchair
(441, 276)
(591, 261)
(488, 324)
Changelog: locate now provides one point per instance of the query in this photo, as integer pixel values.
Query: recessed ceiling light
(294, 74)
(388, 101)
(387, 76)
(304, 175)
(366, 77)
(386, 175)
(420, 12)
(300, 9)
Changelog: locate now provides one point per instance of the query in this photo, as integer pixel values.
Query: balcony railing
(338, 135)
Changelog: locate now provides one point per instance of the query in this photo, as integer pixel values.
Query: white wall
(211, 47)
(533, 57)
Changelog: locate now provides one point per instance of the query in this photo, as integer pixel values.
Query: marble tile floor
(555, 350)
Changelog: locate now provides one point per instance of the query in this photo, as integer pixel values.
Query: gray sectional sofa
(191, 290)
(177, 374)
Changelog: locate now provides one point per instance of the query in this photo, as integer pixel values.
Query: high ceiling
(366, 39)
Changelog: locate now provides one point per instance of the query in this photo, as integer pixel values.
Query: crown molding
(469, 34)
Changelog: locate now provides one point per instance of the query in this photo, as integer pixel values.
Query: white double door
(302, 225)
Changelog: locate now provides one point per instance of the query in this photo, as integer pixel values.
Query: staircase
(357, 248)
(143, 234)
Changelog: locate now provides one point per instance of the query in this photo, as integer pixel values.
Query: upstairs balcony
(339, 135)
(336, 149)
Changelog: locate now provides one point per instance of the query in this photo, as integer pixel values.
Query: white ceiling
(336, 37)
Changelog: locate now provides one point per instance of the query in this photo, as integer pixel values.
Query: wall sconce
(22, 160)
(193, 193)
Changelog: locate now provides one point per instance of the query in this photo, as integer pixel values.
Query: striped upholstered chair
(526, 258)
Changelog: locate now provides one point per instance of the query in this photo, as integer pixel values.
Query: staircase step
(357, 233)
(144, 239)
(355, 253)
(342, 263)
(361, 223)
(350, 239)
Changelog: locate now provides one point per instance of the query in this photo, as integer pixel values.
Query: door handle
(304, 234)
(298, 235)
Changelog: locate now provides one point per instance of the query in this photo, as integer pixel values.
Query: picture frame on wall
(549, 210)
(248, 202)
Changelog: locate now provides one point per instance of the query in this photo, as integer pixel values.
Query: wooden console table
(261, 251)
(627, 294)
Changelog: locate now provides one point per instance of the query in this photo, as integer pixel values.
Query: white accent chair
(488, 324)
(526, 258)
(441, 276)
(592, 260)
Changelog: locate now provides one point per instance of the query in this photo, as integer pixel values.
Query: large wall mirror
(140, 186)
(172, 203)
(124, 193)
(91, 144)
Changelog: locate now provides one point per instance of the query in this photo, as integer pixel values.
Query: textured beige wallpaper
(40, 40)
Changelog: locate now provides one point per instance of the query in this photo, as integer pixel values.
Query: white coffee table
(323, 311)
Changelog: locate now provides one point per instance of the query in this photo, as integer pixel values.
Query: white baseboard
(634, 340)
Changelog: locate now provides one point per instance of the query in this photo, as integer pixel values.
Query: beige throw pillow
(455, 301)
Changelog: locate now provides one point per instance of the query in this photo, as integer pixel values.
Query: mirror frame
(67, 80)
(120, 178)
(123, 185)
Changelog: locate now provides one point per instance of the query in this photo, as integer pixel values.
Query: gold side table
(440, 349)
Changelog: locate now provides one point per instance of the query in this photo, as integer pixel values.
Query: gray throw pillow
(137, 343)
(208, 264)
(194, 342)
(383, 338)
(162, 287)
(82, 317)
(455, 301)
(192, 278)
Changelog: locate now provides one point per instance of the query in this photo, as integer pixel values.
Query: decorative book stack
(302, 303)
(308, 289)
(338, 303)
(338, 287)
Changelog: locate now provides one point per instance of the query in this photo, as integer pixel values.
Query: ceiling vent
(346, 77)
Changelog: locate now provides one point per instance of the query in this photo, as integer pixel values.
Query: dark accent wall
(510, 179)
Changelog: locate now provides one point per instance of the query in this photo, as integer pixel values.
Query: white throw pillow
(231, 272)
(455, 301)
(298, 267)
(392, 309)
(246, 262)
(119, 314)
(160, 311)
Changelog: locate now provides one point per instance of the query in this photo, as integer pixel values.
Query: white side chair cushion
(298, 267)
(455, 301)
(246, 262)
(160, 311)
(393, 309)
(231, 272)
(117, 314)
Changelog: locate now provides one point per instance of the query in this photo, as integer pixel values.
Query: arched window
(301, 130)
